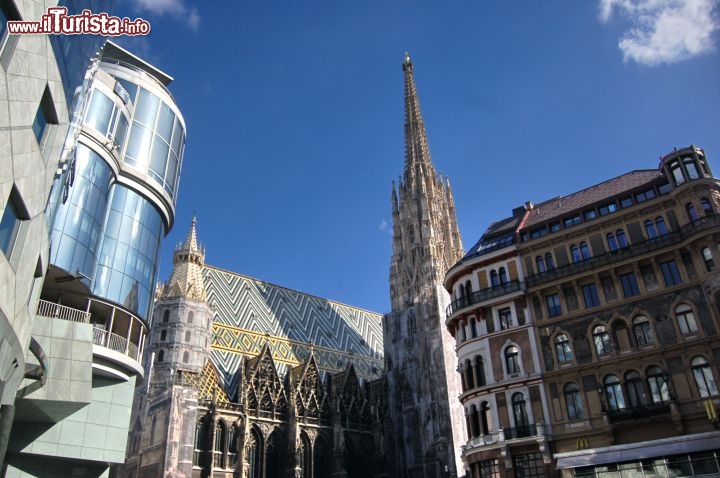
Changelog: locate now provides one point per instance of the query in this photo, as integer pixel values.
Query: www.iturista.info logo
(57, 21)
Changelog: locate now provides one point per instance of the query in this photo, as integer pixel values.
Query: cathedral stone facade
(249, 379)
(426, 419)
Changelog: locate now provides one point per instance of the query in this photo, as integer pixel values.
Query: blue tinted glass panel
(99, 112)
(129, 257)
(138, 146)
(165, 123)
(146, 108)
(9, 226)
(77, 223)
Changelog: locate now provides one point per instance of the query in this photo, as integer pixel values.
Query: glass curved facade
(79, 222)
(156, 138)
(129, 252)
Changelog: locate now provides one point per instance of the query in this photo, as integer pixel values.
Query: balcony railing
(629, 252)
(504, 434)
(57, 311)
(115, 342)
(483, 295)
(530, 430)
(639, 412)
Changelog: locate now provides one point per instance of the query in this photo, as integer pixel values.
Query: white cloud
(174, 8)
(664, 31)
(385, 227)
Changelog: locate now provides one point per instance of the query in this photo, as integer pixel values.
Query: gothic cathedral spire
(426, 417)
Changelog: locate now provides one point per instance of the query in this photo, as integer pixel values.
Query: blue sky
(295, 116)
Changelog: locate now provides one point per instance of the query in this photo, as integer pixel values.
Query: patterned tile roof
(250, 313)
(563, 205)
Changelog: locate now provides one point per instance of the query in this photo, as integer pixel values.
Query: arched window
(474, 422)
(562, 349)
(519, 412)
(160, 355)
(621, 238)
(635, 389)
(469, 375)
(708, 259)
(601, 339)
(199, 443)
(549, 262)
(573, 402)
(186, 357)
(220, 437)
(512, 361)
(503, 276)
(691, 167)
(612, 242)
(468, 291)
(661, 226)
(706, 207)
(163, 335)
(540, 263)
(494, 282)
(463, 332)
(614, 394)
(479, 371)
(191, 317)
(233, 439)
(584, 251)
(642, 331)
(650, 229)
(187, 336)
(658, 384)
(704, 378)
(686, 319)
(692, 212)
(575, 252)
(166, 316)
(253, 450)
(473, 327)
(676, 172)
(485, 418)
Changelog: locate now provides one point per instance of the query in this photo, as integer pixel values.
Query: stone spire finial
(188, 261)
(418, 164)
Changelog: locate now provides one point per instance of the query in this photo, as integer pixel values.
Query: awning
(639, 451)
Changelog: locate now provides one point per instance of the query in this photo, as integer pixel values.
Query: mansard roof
(562, 205)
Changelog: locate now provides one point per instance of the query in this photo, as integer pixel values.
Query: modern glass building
(108, 211)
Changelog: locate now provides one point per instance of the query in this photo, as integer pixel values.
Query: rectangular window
(572, 221)
(505, 318)
(609, 208)
(529, 466)
(553, 305)
(10, 223)
(488, 468)
(626, 202)
(671, 274)
(590, 294)
(44, 116)
(590, 214)
(555, 226)
(629, 284)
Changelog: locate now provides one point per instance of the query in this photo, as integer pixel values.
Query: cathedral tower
(161, 440)
(426, 417)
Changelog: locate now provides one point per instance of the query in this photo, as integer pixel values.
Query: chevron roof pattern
(250, 312)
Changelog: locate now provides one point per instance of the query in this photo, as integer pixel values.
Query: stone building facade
(425, 419)
(498, 357)
(251, 379)
(619, 282)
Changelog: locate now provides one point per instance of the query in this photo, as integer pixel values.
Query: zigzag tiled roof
(250, 313)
